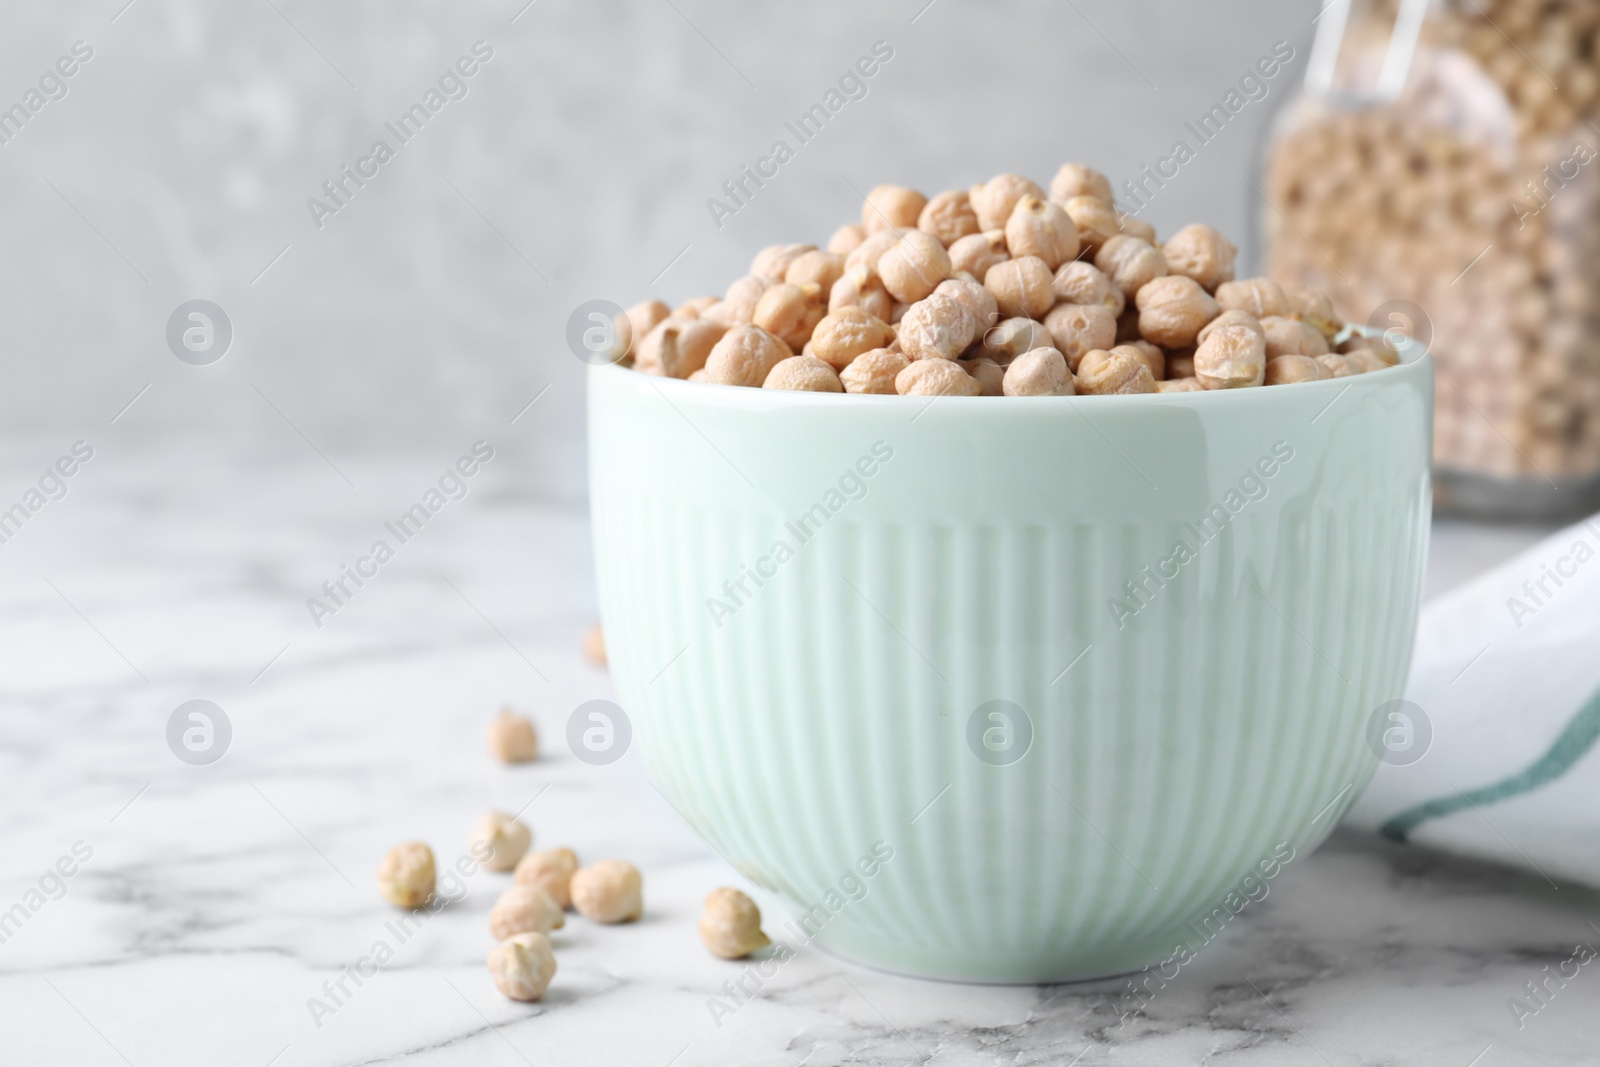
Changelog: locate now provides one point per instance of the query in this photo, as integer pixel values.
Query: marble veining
(220, 901)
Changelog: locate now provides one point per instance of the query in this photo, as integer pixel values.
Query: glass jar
(1440, 175)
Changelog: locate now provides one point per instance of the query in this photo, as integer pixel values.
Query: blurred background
(432, 306)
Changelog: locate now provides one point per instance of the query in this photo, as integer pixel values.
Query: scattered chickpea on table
(523, 908)
(548, 882)
(522, 966)
(608, 892)
(512, 738)
(550, 870)
(730, 925)
(406, 877)
(498, 840)
(1002, 290)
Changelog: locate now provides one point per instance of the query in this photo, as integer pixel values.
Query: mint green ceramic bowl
(1188, 603)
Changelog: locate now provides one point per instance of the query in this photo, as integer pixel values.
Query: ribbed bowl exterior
(811, 713)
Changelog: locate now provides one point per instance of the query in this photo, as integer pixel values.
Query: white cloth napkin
(1506, 679)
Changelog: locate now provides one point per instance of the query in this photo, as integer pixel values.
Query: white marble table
(217, 900)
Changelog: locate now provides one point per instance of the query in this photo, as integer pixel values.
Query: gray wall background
(180, 161)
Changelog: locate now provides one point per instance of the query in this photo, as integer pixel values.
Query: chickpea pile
(1001, 290)
(546, 884)
(1472, 196)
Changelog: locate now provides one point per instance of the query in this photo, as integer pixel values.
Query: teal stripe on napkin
(1577, 738)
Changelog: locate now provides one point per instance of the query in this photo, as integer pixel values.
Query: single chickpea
(1153, 357)
(406, 875)
(949, 217)
(1130, 262)
(1173, 309)
(1261, 297)
(1180, 385)
(499, 840)
(914, 267)
(978, 300)
(647, 357)
(1039, 228)
(522, 966)
(1079, 282)
(873, 372)
(1095, 219)
(1379, 346)
(803, 374)
(723, 314)
(1314, 308)
(608, 892)
(1180, 364)
(994, 199)
(730, 925)
(861, 287)
(843, 335)
(1079, 328)
(1003, 343)
(1201, 253)
(1338, 365)
(790, 312)
(1291, 337)
(594, 645)
(1137, 227)
(1232, 318)
(868, 252)
(1021, 287)
(1385, 353)
(551, 870)
(1355, 341)
(1040, 372)
(644, 317)
(677, 347)
(891, 207)
(743, 296)
(939, 327)
(727, 314)
(1113, 373)
(1352, 344)
(987, 373)
(1093, 360)
(815, 268)
(524, 908)
(936, 377)
(512, 738)
(1363, 360)
(745, 356)
(847, 238)
(1075, 179)
(1233, 357)
(772, 262)
(977, 252)
(1286, 370)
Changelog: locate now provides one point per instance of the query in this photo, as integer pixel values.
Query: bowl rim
(1415, 358)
